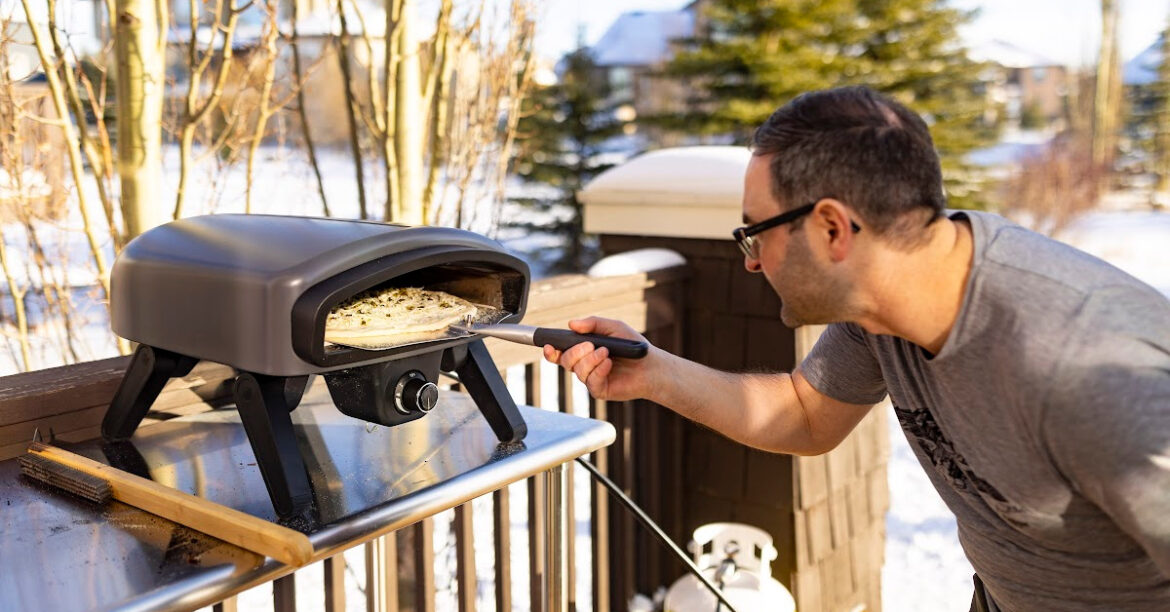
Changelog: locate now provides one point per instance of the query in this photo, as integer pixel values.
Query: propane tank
(737, 558)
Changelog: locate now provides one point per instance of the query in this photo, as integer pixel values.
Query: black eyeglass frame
(743, 235)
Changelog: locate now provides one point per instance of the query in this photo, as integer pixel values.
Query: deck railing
(400, 568)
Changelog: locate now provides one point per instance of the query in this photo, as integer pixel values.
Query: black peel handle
(563, 339)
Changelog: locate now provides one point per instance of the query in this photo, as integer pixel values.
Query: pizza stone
(394, 316)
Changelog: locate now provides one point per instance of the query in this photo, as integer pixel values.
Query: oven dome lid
(275, 245)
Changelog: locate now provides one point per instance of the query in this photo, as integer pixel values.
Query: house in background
(1142, 70)
(1144, 95)
(1031, 89)
(632, 53)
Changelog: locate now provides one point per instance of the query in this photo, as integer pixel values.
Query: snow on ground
(1013, 147)
(1135, 241)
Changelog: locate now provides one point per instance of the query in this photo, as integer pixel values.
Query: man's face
(809, 294)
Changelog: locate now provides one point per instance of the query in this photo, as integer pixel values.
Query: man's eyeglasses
(745, 236)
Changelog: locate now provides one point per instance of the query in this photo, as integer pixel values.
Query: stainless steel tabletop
(61, 553)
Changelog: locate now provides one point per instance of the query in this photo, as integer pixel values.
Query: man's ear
(831, 219)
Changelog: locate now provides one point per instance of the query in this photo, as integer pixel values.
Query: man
(1031, 379)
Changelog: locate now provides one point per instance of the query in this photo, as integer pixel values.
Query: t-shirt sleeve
(842, 366)
(1107, 422)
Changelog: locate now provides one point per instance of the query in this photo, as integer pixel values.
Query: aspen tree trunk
(408, 129)
(1106, 97)
(139, 46)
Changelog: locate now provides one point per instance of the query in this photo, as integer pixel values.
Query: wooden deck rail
(69, 403)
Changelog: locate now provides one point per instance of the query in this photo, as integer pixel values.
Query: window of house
(621, 83)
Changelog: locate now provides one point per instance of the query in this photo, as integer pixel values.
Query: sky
(1066, 31)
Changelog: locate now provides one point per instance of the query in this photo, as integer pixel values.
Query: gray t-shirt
(1044, 421)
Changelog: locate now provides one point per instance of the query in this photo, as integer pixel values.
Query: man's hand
(607, 379)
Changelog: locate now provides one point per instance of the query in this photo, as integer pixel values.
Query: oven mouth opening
(493, 281)
(484, 293)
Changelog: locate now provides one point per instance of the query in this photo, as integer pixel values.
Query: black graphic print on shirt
(921, 427)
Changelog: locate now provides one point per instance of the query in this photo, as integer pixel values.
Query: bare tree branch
(264, 109)
(299, 83)
(71, 149)
(195, 113)
(96, 161)
(519, 46)
(438, 84)
(343, 52)
(97, 103)
(376, 108)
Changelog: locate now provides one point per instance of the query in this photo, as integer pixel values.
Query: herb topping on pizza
(394, 316)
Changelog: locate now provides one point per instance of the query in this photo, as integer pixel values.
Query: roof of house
(1009, 55)
(642, 38)
(1143, 68)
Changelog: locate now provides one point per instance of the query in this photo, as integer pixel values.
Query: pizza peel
(560, 339)
(486, 323)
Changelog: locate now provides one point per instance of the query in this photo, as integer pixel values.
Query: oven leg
(264, 403)
(149, 370)
(478, 374)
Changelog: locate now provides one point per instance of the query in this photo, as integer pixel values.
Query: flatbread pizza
(399, 315)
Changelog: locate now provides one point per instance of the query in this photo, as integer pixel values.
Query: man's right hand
(605, 377)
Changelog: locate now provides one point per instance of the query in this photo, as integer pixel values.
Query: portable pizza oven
(254, 291)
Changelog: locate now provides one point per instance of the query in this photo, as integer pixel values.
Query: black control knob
(414, 393)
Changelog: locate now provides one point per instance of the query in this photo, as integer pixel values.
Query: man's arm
(775, 412)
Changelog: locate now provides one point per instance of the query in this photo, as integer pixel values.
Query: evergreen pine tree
(750, 56)
(559, 145)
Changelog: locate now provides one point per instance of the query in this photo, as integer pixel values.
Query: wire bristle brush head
(66, 478)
